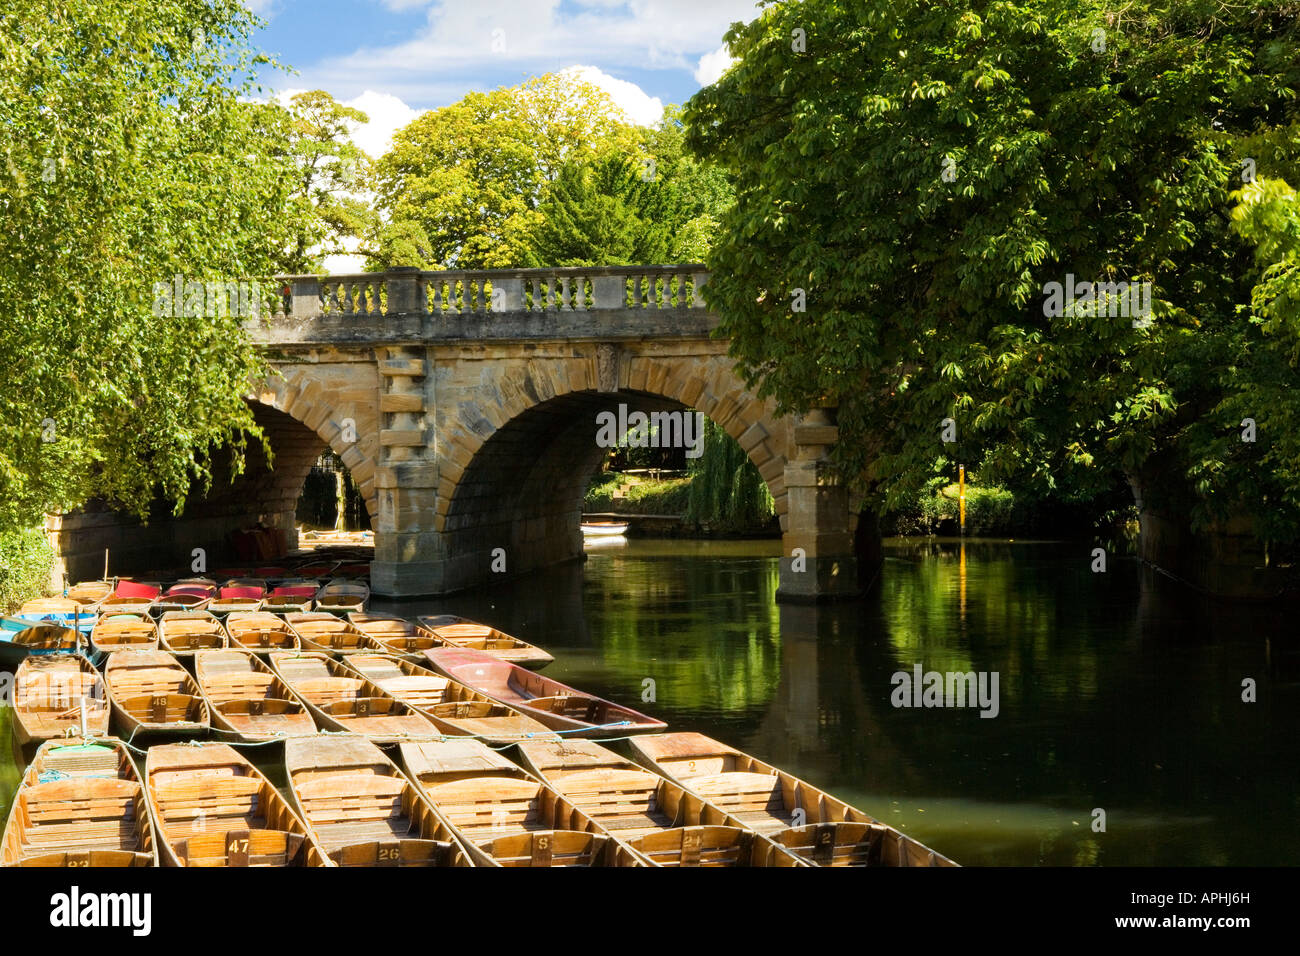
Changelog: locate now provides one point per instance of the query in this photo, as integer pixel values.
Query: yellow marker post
(961, 495)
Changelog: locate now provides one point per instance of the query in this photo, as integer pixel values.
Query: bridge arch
(329, 403)
(513, 470)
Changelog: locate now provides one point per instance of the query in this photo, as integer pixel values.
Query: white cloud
(640, 108)
(387, 115)
(712, 66)
(455, 51)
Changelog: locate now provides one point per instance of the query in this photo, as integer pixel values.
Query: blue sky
(394, 58)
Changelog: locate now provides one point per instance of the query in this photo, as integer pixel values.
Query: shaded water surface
(1117, 691)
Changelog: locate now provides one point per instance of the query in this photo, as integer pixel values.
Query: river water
(1117, 691)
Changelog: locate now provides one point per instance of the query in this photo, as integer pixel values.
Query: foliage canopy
(922, 171)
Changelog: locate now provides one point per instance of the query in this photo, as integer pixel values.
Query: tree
(726, 489)
(131, 157)
(917, 175)
(662, 207)
(326, 206)
(701, 192)
(470, 175)
(603, 213)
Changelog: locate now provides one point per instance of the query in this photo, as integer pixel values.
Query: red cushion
(242, 592)
(133, 589)
(304, 591)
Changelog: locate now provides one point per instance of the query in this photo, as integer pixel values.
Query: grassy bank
(995, 511)
(619, 493)
(632, 494)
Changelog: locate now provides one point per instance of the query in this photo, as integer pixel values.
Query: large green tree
(461, 184)
(327, 206)
(915, 174)
(130, 154)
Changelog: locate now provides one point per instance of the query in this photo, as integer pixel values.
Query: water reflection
(1117, 691)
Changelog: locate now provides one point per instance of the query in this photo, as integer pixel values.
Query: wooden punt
(501, 815)
(81, 803)
(361, 810)
(37, 640)
(341, 700)
(395, 635)
(458, 632)
(645, 812)
(184, 597)
(556, 705)
(342, 596)
(247, 581)
(810, 823)
(153, 695)
(131, 597)
(320, 631)
(454, 708)
(61, 611)
(317, 569)
(211, 807)
(55, 695)
(261, 632)
(89, 593)
(291, 596)
(184, 632)
(247, 699)
(120, 632)
(231, 600)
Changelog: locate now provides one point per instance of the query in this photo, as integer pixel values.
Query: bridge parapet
(607, 302)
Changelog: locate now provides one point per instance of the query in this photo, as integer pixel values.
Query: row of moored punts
(681, 799)
(394, 737)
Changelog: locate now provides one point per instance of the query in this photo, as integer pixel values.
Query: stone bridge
(464, 404)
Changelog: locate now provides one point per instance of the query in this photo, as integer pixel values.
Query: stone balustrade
(487, 291)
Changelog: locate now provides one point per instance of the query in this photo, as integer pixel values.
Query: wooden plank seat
(260, 707)
(622, 801)
(400, 852)
(576, 708)
(79, 815)
(324, 690)
(547, 848)
(855, 844)
(263, 637)
(356, 808)
(120, 634)
(836, 844)
(467, 708)
(113, 858)
(417, 691)
(367, 707)
(756, 799)
(87, 761)
(401, 643)
(193, 635)
(697, 846)
(238, 684)
(486, 807)
(253, 847)
(164, 708)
